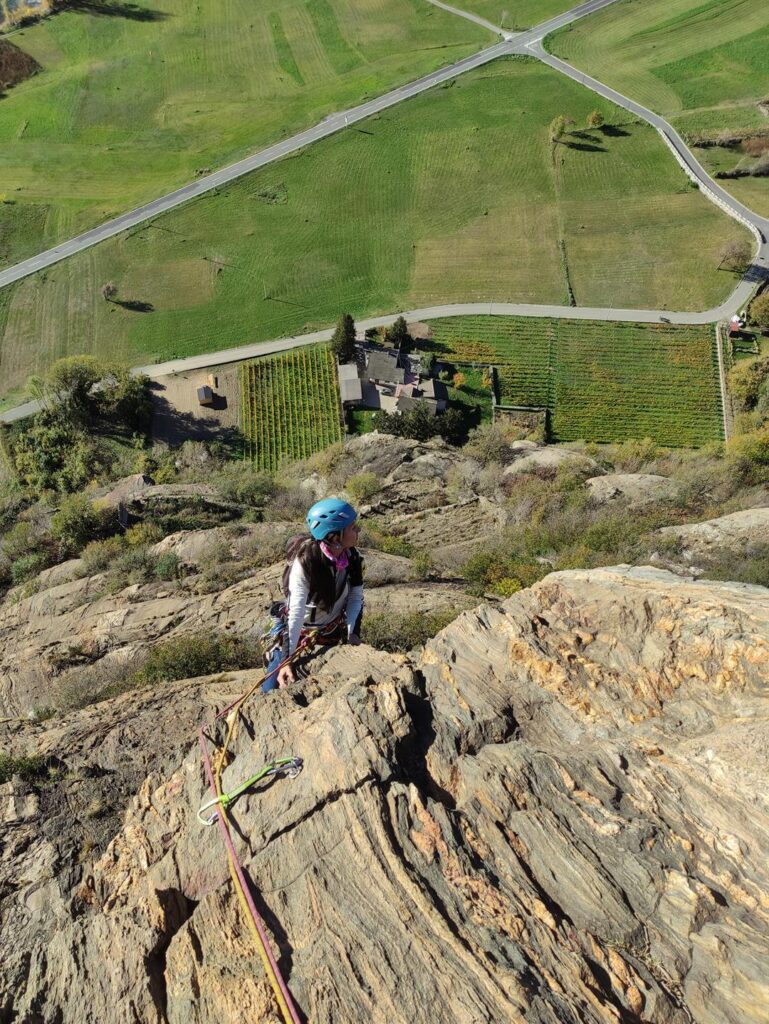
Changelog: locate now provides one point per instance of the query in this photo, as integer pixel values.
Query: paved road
(264, 348)
(328, 126)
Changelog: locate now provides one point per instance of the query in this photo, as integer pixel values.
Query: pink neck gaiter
(341, 561)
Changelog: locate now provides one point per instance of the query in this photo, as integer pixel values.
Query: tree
(343, 341)
(557, 128)
(70, 382)
(459, 380)
(109, 291)
(736, 255)
(399, 336)
(595, 119)
(759, 311)
(428, 364)
(421, 425)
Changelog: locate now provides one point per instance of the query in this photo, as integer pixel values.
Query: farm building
(383, 368)
(350, 390)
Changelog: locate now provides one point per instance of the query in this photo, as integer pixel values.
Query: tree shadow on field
(135, 305)
(587, 147)
(132, 12)
(755, 274)
(613, 131)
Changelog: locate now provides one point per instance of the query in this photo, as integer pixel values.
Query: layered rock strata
(556, 812)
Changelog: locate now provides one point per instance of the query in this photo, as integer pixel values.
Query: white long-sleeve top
(300, 610)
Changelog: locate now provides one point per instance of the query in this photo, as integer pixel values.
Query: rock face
(730, 533)
(79, 623)
(555, 813)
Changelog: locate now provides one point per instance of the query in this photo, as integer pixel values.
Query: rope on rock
(290, 766)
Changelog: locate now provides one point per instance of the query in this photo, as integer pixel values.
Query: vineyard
(600, 381)
(289, 406)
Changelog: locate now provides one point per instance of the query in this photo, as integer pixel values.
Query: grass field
(600, 381)
(452, 196)
(129, 107)
(289, 406)
(516, 14)
(703, 64)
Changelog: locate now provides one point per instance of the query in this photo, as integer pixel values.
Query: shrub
(404, 632)
(32, 768)
(100, 554)
(749, 455)
(143, 533)
(363, 486)
(133, 565)
(168, 566)
(197, 654)
(489, 443)
(380, 540)
(216, 554)
(746, 381)
(750, 566)
(759, 310)
(422, 565)
(28, 566)
(22, 539)
(632, 455)
(79, 521)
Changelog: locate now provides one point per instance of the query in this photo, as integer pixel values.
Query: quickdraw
(290, 766)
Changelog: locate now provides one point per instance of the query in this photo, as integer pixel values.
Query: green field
(600, 381)
(516, 14)
(452, 196)
(289, 406)
(703, 64)
(129, 107)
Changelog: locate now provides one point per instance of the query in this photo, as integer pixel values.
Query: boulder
(528, 456)
(733, 532)
(633, 489)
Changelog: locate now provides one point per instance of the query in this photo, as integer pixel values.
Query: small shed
(350, 390)
(205, 395)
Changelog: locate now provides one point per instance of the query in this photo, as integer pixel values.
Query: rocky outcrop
(727, 533)
(633, 489)
(48, 634)
(555, 812)
(528, 457)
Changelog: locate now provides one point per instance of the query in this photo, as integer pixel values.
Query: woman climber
(323, 583)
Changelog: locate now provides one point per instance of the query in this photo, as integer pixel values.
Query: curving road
(265, 348)
(328, 126)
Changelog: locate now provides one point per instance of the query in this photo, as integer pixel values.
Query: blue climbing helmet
(331, 515)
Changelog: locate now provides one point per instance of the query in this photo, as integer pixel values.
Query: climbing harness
(288, 766)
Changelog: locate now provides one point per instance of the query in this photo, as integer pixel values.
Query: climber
(323, 583)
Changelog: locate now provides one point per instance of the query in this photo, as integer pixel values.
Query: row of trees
(343, 339)
(562, 124)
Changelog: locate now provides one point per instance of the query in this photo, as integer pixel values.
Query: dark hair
(320, 572)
